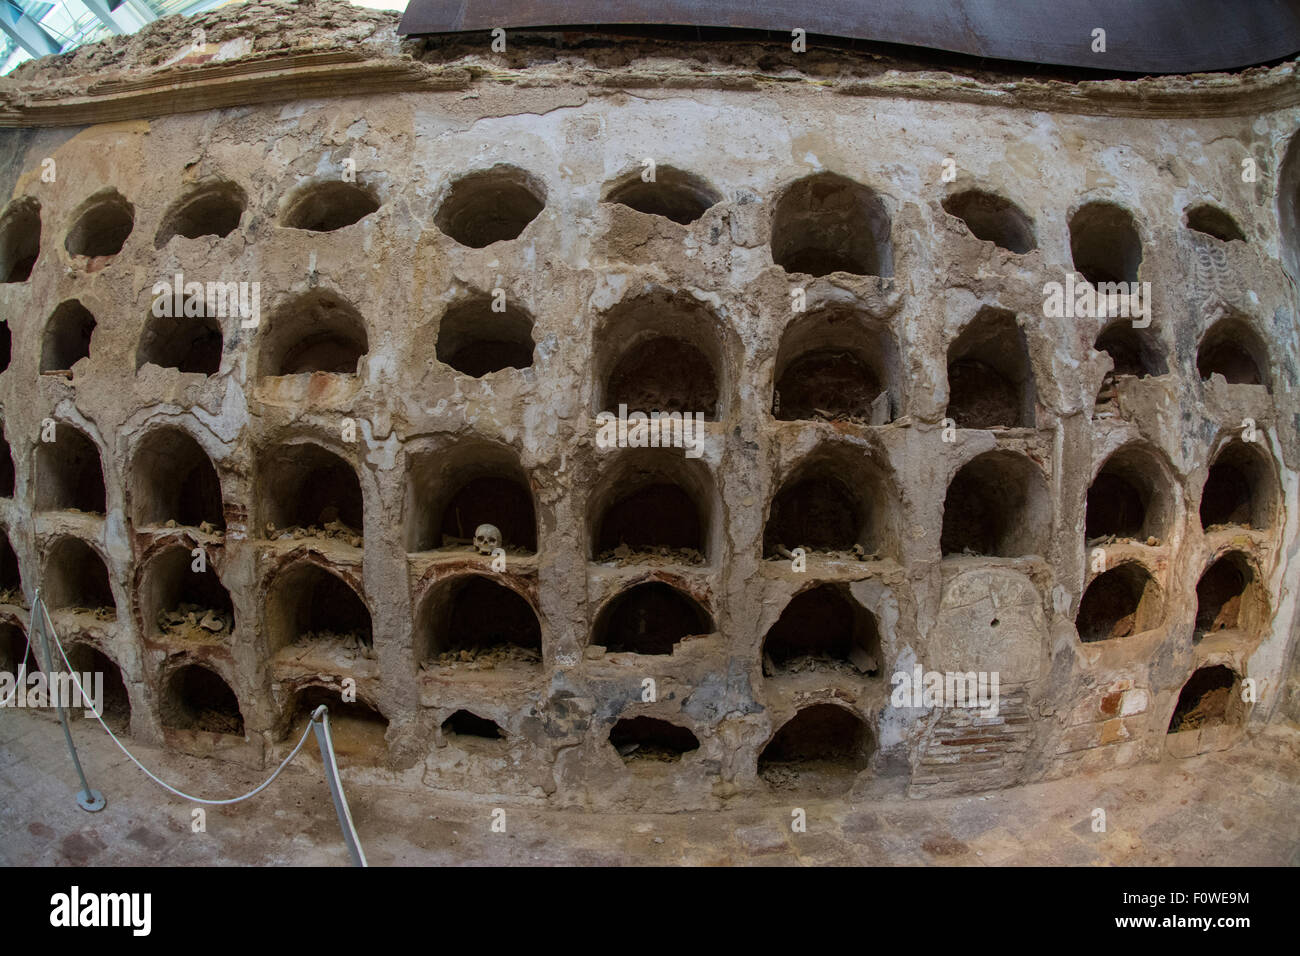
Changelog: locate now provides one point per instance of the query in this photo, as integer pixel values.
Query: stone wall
(460, 265)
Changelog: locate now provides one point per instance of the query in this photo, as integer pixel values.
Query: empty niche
(828, 223)
(1288, 206)
(1228, 598)
(1129, 497)
(649, 618)
(20, 239)
(660, 352)
(172, 479)
(314, 332)
(188, 343)
(1214, 222)
(77, 578)
(673, 194)
(304, 486)
(836, 499)
(990, 380)
(1211, 697)
(650, 503)
(6, 345)
(183, 604)
(471, 618)
(310, 608)
(115, 706)
(820, 749)
(997, 505)
(1119, 603)
(15, 651)
(823, 629)
(493, 205)
(326, 206)
(476, 341)
(197, 698)
(11, 584)
(837, 365)
(1233, 349)
(992, 218)
(1105, 244)
(7, 473)
(67, 337)
(209, 209)
(467, 724)
(69, 476)
(450, 493)
(1131, 350)
(101, 225)
(1240, 489)
(357, 730)
(649, 739)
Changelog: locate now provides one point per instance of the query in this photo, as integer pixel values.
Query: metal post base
(92, 801)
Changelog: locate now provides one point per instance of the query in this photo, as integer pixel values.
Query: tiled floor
(1238, 807)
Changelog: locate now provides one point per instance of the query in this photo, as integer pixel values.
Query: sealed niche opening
(1105, 244)
(1234, 350)
(1214, 222)
(476, 341)
(649, 503)
(1131, 350)
(77, 578)
(450, 492)
(11, 584)
(821, 748)
(1288, 206)
(357, 730)
(1209, 698)
(990, 381)
(649, 618)
(463, 723)
(209, 209)
(67, 337)
(196, 698)
(660, 352)
(836, 499)
(69, 476)
(823, 629)
(993, 219)
(1227, 598)
(304, 486)
(188, 343)
(828, 223)
(1129, 497)
(326, 206)
(1119, 603)
(836, 365)
(997, 505)
(183, 604)
(116, 705)
(471, 618)
(172, 479)
(315, 332)
(20, 239)
(7, 474)
(680, 196)
(314, 608)
(15, 652)
(1240, 489)
(494, 205)
(650, 739)
(101, 226)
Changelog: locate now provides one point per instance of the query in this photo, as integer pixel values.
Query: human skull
(487, 538)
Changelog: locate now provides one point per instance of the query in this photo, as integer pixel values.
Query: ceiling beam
(25, 31)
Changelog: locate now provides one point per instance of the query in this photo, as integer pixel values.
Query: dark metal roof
(1142, 36)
